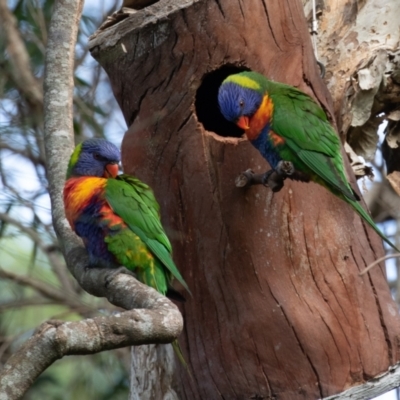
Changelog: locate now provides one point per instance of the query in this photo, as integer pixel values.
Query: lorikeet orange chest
(261, 120)
(92, 218)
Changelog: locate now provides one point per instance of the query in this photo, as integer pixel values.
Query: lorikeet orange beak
(111, 171)
(243, 122)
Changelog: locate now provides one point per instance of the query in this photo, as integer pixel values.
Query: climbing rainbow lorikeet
(117, 216)
(283, 123)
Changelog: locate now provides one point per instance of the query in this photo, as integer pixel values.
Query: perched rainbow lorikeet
(283, 123)
(117, 216)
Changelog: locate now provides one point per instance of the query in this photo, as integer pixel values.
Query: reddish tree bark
(278, 308)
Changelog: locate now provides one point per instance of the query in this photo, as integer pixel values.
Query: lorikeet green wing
(135, 203)
(310, 141)
(314, 147)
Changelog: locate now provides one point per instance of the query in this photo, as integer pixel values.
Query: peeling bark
(152, 372)
(351, 34)
(279, 309)
(359, 44)
(394, 179)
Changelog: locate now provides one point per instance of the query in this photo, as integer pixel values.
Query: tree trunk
(278, 308)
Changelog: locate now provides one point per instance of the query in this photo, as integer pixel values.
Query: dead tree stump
(278, 308)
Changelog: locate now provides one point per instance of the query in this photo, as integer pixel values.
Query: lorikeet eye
(241, 103)
(98, 157)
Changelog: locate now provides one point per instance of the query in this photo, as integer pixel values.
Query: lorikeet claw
(274, 180)
(271, 178)
(274, 177)
(267, 176)
(285, 168)
(246, 178)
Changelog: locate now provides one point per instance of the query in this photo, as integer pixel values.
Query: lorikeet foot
(248, 178)
(274, 178)
(285, 168)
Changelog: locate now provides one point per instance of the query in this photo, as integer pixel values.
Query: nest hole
(206, 103)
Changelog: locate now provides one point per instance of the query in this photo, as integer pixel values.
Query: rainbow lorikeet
(283, 123)
(117, 216)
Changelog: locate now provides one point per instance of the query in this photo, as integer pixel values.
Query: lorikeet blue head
(242, 100)
(94, 157)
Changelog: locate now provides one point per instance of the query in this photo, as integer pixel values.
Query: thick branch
(55, 339)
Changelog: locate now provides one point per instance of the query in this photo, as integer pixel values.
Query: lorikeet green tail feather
(118, 218)
(134, 201)
(284, 123)
(179, 354)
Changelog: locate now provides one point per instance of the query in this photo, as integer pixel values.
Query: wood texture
(278, 308)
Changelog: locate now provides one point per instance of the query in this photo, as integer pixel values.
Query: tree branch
(19, 58)
(69, 299)
(379, 260)
(27, 302)
(373, 388)
(55, 339)
(156, 319)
